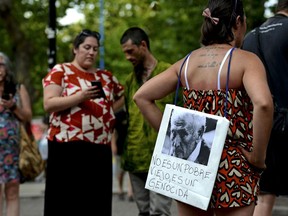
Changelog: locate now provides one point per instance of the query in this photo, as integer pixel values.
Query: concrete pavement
(32, 198)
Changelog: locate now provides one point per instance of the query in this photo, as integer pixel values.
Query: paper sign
(186, 156)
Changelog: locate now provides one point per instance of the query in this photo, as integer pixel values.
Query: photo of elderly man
(190, 137)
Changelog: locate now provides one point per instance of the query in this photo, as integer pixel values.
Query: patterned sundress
(9, 146)
(237, 182)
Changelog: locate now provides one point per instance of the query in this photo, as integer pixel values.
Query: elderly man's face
(186, 131)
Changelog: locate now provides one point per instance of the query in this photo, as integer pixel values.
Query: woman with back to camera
(15, 107)
(79, 164)
(249, 106)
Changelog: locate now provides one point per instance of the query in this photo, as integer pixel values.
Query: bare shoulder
(247, 55)
(249, 63)
(247, 59)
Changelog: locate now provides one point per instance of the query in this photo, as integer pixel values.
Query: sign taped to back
(186, 156)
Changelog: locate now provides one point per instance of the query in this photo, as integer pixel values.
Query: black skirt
(78, 179)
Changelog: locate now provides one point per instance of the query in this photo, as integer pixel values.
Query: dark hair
(79, 39)
(10, 83)
(282, 5)
(226, 11)
(137, 35)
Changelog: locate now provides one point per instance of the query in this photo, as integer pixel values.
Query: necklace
(147, 72)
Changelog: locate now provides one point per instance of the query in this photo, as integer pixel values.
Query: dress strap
(221, 66)
(219, 72)
(230, 51)
(179, 77)
(185, 72)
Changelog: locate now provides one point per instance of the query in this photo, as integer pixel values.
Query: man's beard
(139, 70)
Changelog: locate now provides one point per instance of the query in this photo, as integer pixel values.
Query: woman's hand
(9, 103)
(54, 101)
(253, 160)
(92, 92)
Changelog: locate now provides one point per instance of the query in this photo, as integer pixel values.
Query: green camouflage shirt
(141, 137)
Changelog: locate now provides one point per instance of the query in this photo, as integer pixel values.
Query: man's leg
(141, 195)
(160, 205)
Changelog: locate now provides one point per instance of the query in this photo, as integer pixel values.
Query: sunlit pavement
(32, 198)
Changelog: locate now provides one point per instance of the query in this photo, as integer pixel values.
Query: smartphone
(99, 85)
(6, 96)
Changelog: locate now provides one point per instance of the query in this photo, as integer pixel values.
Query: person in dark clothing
(270, 43)
(117, 144)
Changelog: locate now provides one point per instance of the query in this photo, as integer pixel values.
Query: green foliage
(173, 28)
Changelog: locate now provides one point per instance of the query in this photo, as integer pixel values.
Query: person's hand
(252, 160)
(9, 103)
(91, 92)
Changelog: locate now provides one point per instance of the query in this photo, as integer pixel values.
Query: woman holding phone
(80, 131)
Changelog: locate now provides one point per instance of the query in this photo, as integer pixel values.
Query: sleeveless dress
(9, 145)
(237, 182)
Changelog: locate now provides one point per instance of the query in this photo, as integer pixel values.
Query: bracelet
(12, 108)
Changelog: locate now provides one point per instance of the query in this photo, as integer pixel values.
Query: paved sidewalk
(32, 199)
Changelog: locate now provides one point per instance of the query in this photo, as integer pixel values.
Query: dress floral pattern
(9, 146)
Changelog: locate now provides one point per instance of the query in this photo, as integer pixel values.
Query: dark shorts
(274, 178)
